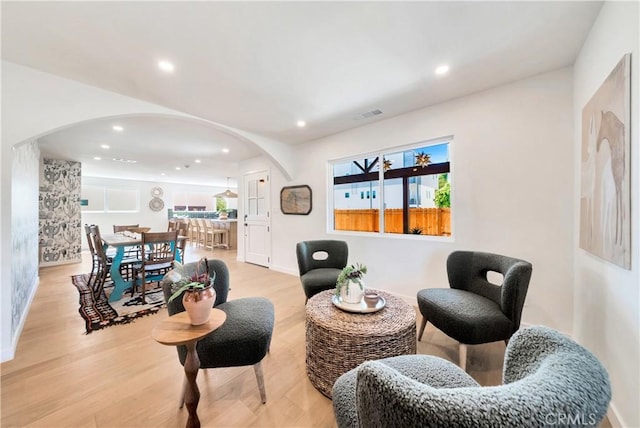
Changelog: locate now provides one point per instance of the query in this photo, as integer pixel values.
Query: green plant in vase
(197, 281)
(349, 274)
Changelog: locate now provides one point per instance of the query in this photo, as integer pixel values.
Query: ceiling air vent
(368, 114)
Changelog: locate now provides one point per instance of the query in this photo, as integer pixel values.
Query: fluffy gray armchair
(548, 380)
(244, 338)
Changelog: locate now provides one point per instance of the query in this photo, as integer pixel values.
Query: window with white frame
(414, 197)
(109, 199)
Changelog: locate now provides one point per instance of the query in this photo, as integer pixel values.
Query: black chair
(320, 263)
(244, 338)
(473, 310)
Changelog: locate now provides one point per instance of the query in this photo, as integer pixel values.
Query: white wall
(607, 297)
(35, 103)
(512, 184)
(145, 217)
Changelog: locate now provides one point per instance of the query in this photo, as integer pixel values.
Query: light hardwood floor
(120, 377)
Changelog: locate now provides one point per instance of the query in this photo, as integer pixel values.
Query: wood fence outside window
(432, 221)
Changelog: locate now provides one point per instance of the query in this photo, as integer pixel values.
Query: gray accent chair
(244, 338)
(548, 380)
(473, 310)
(317, 274)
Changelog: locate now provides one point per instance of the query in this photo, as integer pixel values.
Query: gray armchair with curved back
(473, 310)
(319, 273)
(548, 380)
(244, 338)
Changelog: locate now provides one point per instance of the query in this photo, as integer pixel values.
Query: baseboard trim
(64, 262)
(614, 417)
(283, 269)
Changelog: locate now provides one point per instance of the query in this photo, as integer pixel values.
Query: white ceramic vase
(355, 293)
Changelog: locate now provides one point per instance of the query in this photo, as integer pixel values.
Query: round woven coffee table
(338, 341)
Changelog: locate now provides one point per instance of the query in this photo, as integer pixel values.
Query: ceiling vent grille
(368, 114)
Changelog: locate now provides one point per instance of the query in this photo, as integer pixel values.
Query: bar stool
(202, 233)
(222, 235)
(193, 231)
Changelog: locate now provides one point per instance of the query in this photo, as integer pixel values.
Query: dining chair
(96, 248)
(117, 228)
(101, 265)
(130, 252)
(158, 250)
(92, 249)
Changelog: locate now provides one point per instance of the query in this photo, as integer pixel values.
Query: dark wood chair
(123, 227)
(101, 263)
(131, 253)
(158, 252)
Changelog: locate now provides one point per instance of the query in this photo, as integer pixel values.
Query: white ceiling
(261, 66)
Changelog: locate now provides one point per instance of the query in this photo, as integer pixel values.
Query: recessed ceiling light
(162, 173)
(166, 66)
(443, 69)
(104, 146)
(301, 124)
(225, 150)
(197, 161)
(97, 158)
(177, 168)
(118, 128)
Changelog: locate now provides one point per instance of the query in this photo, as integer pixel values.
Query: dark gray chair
(548, 380)
(244, 338)
(473, 310)
(319, 271)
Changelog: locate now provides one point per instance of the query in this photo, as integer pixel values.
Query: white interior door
(257, 219)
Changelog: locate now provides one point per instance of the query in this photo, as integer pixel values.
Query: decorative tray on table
(361, 308)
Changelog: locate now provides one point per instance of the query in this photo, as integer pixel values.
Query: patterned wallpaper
(24, 228)
(60, 218)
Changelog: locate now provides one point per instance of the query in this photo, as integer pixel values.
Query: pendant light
(227, 193)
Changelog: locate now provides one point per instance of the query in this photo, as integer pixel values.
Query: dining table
(120, 242)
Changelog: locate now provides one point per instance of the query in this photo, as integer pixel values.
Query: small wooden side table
(177, 330)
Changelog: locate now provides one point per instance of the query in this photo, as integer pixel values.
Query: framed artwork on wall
(295, 200)
(605, 197)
